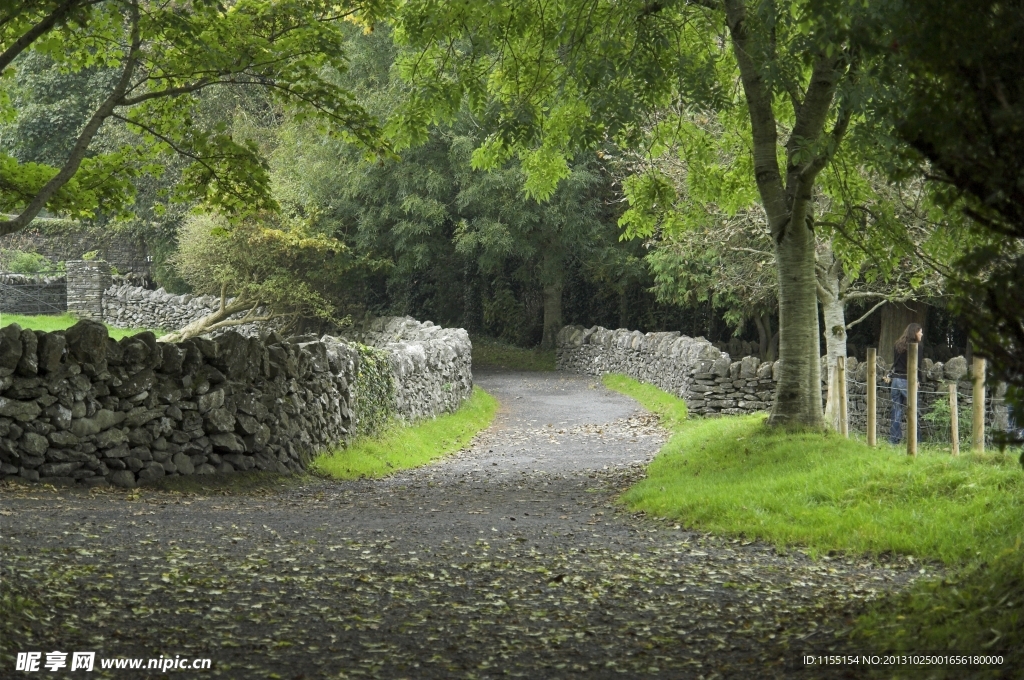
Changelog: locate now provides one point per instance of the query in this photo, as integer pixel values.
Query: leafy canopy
(159, 57)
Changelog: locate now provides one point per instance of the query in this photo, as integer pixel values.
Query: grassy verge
(401, 448)
(57, 322)
(733, 475)
(491, 353)
(671, 410)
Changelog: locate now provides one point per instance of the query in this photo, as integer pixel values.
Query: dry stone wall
(21, 294)
(712, 383)
(128, 306)
(432, 366)
(77, 407)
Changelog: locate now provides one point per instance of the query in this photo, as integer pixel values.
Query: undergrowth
(491, 353)
(400, 448)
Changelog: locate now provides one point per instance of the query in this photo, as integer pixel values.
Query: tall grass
(400, 448)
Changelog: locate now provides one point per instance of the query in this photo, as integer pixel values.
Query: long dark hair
(909, 335)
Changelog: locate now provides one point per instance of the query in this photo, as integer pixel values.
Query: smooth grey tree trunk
(798, 393)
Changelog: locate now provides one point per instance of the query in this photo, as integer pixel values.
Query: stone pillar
(87, 279)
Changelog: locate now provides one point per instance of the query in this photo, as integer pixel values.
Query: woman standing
(914, 333)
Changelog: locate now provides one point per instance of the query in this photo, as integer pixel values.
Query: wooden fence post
(911, 398)
(978, 424)
(954, 419)
(872, 397)
(844, 423)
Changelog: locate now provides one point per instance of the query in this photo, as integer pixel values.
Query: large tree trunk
(552, 313)
(896, 316)
(788, 206)
(798, 392)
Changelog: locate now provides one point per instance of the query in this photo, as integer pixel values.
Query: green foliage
(20, 262)
(264, 261)
(462, 245)
(953, 72)
(400, 448)
(735, 476)
(374, 391)
(147, 69)
(492, 353)
(59, 322)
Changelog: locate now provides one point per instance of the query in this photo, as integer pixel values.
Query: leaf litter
(509, 559)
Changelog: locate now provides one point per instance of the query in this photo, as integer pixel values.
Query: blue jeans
(899, 403)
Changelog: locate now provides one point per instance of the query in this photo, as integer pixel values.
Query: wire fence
(24, 296)
(933, 413)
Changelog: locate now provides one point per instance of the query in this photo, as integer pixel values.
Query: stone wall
(61, 240)
(129, 306)
(20, 294)
(432, 366)
(78, 407)
(712, 383)
(86, 281)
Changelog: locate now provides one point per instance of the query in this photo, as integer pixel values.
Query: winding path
(507, 560)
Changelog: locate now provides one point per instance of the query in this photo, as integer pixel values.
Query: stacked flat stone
(129, 306)
(712, 383)
(21, 294)
(78, 407)
(433, 366)
(86, 282)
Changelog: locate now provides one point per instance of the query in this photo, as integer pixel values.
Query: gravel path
(509, 559)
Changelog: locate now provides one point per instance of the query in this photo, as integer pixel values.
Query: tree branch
(105, 110)
(866, 315)
(762, 121)
(31, 35)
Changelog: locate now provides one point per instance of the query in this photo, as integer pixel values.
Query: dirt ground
(509, 559)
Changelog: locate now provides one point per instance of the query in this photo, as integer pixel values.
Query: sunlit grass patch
(401, 448)
(491, 353)
(672, 410)
(734, 475)
(59, 322)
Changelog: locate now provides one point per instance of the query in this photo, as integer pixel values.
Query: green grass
(733, 475)
(45, 322)
(491, 353)
(401, 448)
(671, 410)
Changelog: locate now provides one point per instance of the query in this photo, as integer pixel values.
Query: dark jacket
(899, 364)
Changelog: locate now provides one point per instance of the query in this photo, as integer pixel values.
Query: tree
(696, 202)
(159, 57)
(449, 231)
(263, 269)
(957, 100)
(571, 77)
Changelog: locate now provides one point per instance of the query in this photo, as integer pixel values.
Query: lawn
(62, 321)
(401, 448)
(823, 493)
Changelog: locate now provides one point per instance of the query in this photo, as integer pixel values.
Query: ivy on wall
(374, 391)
